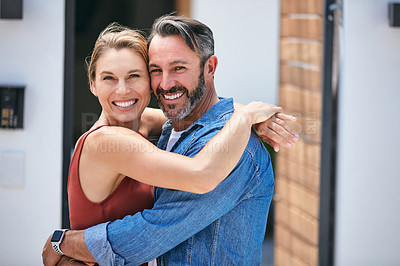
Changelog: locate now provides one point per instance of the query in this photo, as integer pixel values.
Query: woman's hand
(269, 123)
(257, 112)
(275, 131)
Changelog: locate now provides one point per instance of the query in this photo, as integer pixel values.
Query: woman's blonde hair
(116, 36)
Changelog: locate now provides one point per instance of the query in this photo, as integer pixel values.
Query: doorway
(85, 19)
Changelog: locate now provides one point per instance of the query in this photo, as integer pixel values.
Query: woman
(114, 168)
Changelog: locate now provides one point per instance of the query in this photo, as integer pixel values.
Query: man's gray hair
(196, 35)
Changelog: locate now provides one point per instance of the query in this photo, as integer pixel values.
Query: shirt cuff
(98, 245)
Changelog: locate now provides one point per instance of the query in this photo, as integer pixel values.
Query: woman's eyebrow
(135, 70)
(106, 72)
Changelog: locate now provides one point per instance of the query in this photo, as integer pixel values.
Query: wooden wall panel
(301, 7)
(298, 168)
(307, 253)
(183, 7)
(301, 51)
(303, 77)
(303, 225)
(283, 236)
(303, 153)
(296, 194)
(307, 28)
(303, 198)
(306, 176)
(294, 99)
(284, 257)
(282, 213)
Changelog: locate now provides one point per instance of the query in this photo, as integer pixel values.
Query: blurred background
(333, 64)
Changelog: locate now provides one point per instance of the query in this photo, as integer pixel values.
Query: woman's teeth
(125, 104)
(173, 96)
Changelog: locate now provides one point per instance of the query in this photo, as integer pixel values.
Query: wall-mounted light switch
(12, 170)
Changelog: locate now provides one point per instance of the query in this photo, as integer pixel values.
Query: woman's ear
(210, 67)
(93, 88)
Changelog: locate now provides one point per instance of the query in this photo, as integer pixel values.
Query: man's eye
(134, 76)
(179, 68)
(107, 78)
(156, 70)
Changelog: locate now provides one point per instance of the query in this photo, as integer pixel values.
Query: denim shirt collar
(221, 108)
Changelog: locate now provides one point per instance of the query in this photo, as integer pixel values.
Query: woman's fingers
(275, 131)
(278, 124)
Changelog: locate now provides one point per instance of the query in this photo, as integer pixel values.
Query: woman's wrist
(245, 114)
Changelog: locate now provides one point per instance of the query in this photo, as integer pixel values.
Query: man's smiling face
(177, 79)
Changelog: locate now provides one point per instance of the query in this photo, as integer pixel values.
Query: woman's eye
(107, 78)
(134, 76)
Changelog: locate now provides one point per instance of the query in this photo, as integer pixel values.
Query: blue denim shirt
(223, 227)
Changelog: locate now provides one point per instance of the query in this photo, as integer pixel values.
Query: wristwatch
(56, 239)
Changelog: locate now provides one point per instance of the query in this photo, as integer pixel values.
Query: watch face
(57, 236)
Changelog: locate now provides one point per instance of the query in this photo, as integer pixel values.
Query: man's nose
(167, 81)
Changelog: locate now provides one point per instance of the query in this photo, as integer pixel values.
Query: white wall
(32, 54)
(368, 178)
(247, 45)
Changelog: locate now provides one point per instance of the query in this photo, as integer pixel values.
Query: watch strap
(56, 245)
(57, 249)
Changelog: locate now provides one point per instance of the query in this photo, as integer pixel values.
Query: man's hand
(275, 131)
(73, 245)
(49, 256)
(67, 261)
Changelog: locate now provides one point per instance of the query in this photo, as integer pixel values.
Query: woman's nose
(122, 88)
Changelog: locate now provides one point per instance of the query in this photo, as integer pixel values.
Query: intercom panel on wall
(12, 106)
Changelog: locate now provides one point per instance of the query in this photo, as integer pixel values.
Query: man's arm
(73, 245)
(67, 261)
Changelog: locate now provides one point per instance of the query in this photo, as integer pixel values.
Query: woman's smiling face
(122, 85)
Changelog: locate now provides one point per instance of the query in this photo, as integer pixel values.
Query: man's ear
(210, 67)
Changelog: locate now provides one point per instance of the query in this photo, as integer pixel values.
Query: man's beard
(192, 100)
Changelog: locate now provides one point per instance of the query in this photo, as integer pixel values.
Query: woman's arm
(134, 156)
(274, 131)
(151, 122)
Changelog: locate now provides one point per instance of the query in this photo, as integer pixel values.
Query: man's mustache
(174, 89)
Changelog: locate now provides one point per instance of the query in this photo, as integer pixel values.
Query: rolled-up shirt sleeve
(98, 245)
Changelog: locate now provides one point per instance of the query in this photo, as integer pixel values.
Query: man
(225, 226)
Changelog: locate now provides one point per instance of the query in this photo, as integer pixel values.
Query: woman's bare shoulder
(107, 136)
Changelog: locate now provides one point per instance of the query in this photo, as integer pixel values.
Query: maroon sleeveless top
(128, 198)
